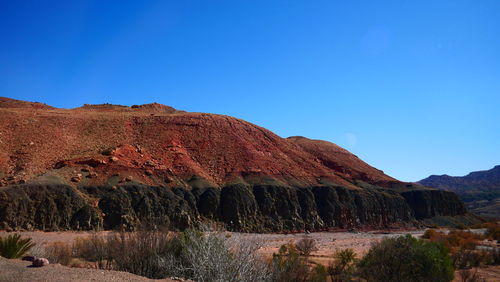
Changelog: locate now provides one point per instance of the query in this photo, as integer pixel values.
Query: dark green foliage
(13, 246)
(406, 259)
(343, 265)
(318, 274)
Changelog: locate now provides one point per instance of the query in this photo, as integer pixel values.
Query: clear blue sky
(411, 87)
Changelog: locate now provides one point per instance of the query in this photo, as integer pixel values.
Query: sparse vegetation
(288, 265)
(468, 275)
(217, 256)
(192, 254)
(463, 246)
(13, 246)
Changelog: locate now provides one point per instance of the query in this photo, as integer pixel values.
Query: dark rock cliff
(257, 208)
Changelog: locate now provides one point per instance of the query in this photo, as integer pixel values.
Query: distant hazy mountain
(480, 190)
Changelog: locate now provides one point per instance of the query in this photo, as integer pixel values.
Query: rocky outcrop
(256, 208)
(46, 207)
(430, 203)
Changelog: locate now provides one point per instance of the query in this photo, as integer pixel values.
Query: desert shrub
(191, 254)
(94, 249)
(494, 257)
(319, 273)
(343, 265)
(466, 258)
(288, 265)
(306, 246)
(468, 275)
(212, 257)
(455, 239)
(432, 234)
(406, 259)
(59, 252)
(462, 239)
(138, 252)
(13, 246)
(493, 231)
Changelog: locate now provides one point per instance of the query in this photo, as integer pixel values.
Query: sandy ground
(327, 244)
(18, 270)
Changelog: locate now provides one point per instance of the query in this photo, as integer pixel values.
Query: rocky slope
(480, 190)
(109, 166)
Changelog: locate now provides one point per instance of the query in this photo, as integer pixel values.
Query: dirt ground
(327, 243)
(18, 270)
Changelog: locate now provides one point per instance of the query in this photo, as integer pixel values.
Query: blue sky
(411, 87)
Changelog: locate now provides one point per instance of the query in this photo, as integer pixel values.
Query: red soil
(156, 144)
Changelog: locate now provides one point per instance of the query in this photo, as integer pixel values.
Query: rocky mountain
(480, 190)
(110, 166)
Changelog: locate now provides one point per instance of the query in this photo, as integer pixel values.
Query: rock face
(108, 166)
(257, 208)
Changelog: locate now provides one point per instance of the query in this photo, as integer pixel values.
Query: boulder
(39, 262)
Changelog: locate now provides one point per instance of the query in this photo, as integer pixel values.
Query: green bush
(406, 259)
(13, 246)
(343, 265)
(318, 274)
(288, 265)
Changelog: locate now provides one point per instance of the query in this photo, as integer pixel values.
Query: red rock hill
(110, 166)
(155, 144)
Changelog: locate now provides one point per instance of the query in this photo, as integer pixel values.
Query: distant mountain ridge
(480, 190)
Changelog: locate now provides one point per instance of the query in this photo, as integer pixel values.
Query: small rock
(148, 172)
(149, 163)
(128, 178)
(108, 152)
(85, 169)
(113, 159)
(39, 262)
(32, 143)
(75, 179)
(139, 149)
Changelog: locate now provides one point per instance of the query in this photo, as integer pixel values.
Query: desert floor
(327, 243)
